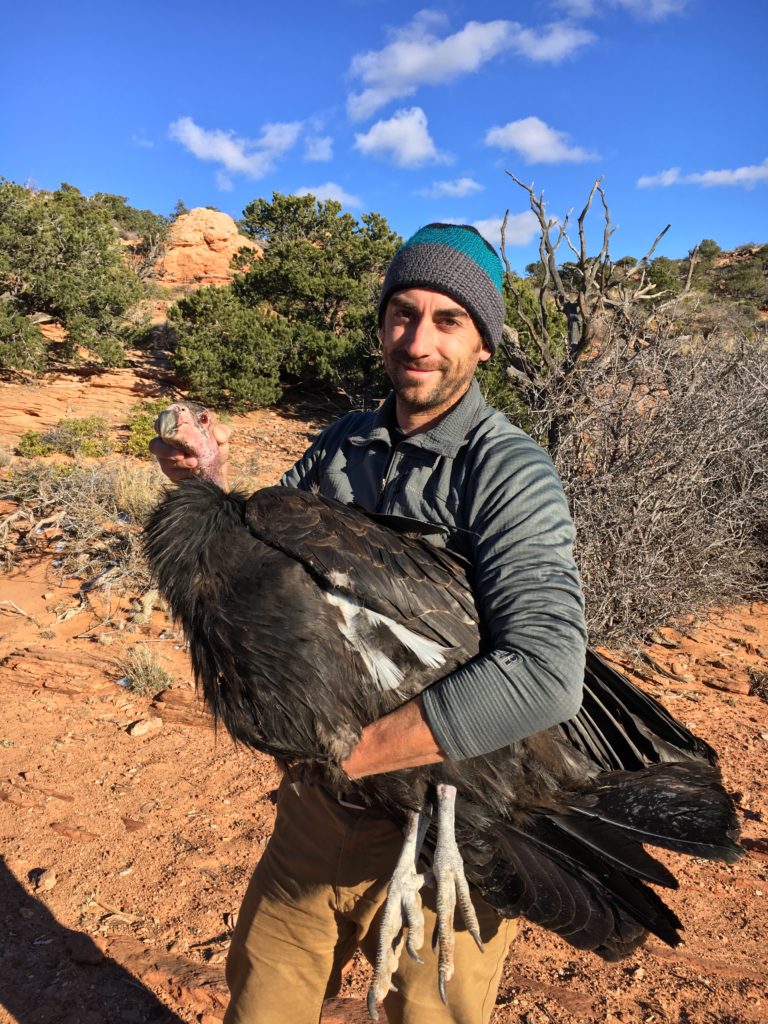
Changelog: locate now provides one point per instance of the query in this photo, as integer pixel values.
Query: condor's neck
(209, 467)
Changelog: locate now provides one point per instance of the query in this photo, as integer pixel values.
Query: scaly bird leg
(452, 885)
(403, 905)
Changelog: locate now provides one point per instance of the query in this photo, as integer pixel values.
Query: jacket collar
(445, 438)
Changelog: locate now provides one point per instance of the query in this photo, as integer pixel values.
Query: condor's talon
(452, 887)
(402, 908)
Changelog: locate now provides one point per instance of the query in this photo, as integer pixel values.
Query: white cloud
(522, 228)
(253, 157)
(756, 174)
(649, 10)
(318, 148)
(141, 142)
(330, 190)
(279, 136)
(554, 44)
(404, 138)
(417, 56)
(451, 189)
(536, 142)
(744, 177)
(668, 177)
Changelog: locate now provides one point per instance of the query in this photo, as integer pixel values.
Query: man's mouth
(410, 368)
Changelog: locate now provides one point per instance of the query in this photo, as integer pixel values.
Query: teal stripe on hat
(468, 242)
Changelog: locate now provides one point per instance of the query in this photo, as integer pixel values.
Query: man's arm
(401, 739)
(530, 673)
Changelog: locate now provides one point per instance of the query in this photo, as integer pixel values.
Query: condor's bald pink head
(188, 426)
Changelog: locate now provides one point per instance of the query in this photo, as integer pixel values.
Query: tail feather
(623, 852)
(529, 884)
(681, 807)
(582, 871)
(619, 885)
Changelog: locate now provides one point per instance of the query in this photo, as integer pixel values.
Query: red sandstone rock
(200, 248)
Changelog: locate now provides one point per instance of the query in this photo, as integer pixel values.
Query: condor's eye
(204, 418)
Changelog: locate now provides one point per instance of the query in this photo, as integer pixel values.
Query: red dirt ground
(125, 852)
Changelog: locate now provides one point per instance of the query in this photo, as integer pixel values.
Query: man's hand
(401, 739)
(177, 465)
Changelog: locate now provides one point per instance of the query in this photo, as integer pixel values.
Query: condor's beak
(167, 423)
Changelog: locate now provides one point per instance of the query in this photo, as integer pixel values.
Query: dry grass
(89, 517)
(142, 667)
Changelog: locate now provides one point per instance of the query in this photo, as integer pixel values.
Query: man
(434, 452)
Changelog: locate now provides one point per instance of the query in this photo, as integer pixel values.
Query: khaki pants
(315, 896)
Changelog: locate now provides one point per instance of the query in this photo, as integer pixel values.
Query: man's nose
(419, 338)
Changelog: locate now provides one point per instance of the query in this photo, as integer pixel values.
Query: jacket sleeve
(530, 673)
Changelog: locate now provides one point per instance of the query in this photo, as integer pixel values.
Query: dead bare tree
(665, 462)
(597, 285)
(656, 420)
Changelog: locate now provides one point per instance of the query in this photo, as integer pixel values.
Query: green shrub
(22, 345)
(746, 280)
(88, 436)
(307, 309)
(32, 446)
(708, 249)
(146, 231)
(227, 354)
(665, 275)
(61, 254)
(141, 427)
(321, 273)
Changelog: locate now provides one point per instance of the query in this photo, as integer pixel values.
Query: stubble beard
(449, 385)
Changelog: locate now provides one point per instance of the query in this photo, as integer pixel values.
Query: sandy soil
(129, 828)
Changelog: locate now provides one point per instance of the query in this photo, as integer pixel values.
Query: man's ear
(485, 353)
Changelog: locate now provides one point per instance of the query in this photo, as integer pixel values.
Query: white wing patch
(356, 623)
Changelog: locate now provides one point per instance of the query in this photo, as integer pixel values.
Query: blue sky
(412, 111)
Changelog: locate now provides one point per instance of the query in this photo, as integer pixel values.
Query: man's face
(431, 349)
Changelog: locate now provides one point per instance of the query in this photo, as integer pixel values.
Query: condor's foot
(452, 888)
(403, 907)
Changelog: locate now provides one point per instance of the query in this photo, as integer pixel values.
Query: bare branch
(691, 264)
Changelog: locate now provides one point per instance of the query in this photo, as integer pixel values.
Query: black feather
(552, 827)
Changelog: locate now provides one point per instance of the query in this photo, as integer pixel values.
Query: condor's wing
(388, 572)
(619, 727)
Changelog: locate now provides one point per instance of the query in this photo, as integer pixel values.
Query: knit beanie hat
(456, 260)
